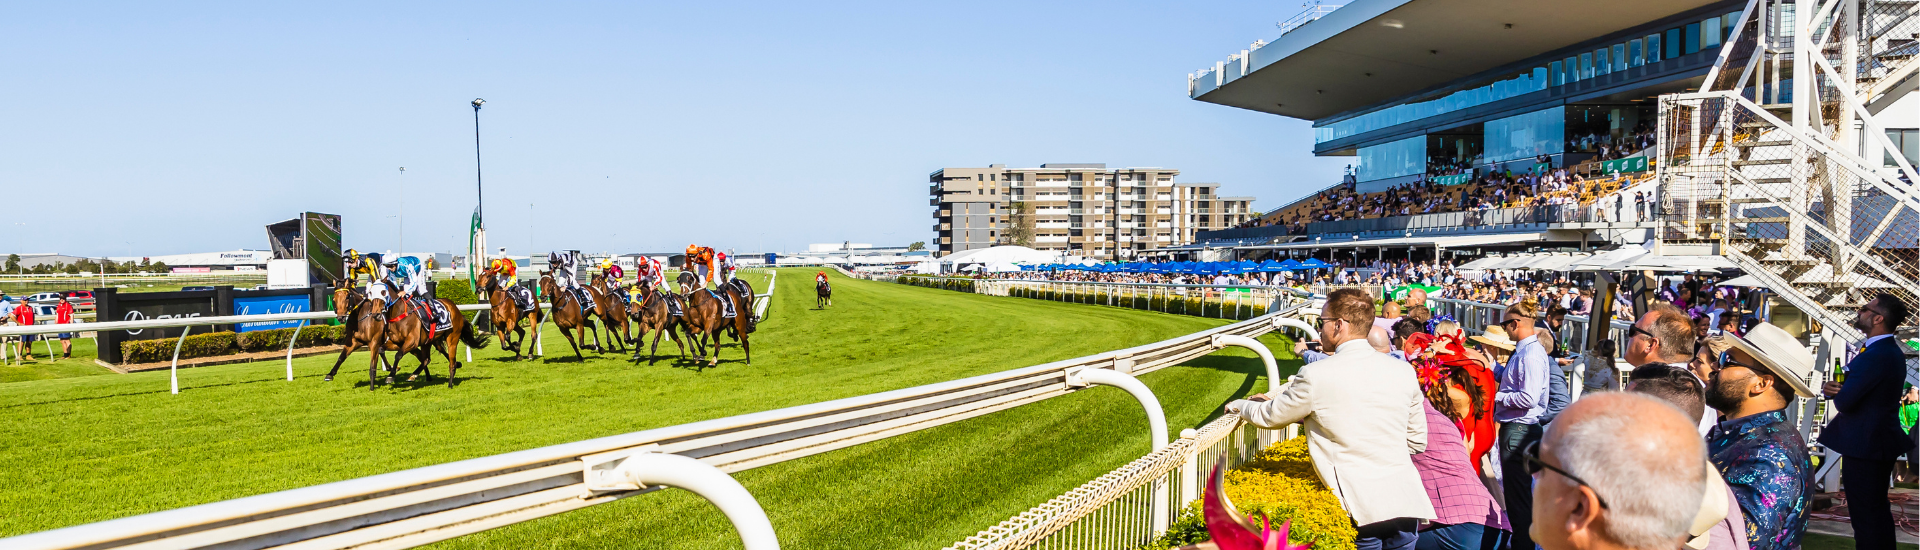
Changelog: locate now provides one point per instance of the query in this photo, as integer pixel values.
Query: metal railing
(424, 505)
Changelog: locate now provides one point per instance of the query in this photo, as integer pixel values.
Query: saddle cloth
(433, 312)
(522, 298)
(673, 306)
(726, 304)
(585, 299)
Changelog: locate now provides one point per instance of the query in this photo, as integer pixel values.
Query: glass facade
(1706, 34)
(1527, 135)
(1392, 159)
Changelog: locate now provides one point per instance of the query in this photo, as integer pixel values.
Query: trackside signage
(262, 305)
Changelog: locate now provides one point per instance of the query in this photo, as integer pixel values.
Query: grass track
(92, 448)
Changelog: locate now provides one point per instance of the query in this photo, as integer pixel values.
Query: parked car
(80, 298)
(44, 298)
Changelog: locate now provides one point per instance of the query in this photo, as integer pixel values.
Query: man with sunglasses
(1616, 471)
(1521, 408)
(1756, 448)
(1664, 335)
(1365, 417)
(1865, 430)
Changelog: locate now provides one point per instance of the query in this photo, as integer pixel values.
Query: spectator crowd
(1434, 439)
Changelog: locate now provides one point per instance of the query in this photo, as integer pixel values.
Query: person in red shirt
(23, 316)
(63, 314)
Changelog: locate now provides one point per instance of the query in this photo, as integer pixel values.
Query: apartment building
(1077, 209)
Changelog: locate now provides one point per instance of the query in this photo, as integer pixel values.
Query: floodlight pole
(479, 190)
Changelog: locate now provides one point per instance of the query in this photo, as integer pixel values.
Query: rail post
(653, 468)
(1266, 355)
(291, 343)
(173, 372)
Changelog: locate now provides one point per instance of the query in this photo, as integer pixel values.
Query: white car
(44, 298)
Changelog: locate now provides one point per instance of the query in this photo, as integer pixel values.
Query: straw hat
(1776, 350)
(1494, 336)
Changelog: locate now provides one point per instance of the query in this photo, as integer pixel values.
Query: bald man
(1617, 471)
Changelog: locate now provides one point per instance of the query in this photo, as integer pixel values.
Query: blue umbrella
(1290, 264)
(1270, 266)
(1314, 263)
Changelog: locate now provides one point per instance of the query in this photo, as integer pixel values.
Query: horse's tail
(471, 338)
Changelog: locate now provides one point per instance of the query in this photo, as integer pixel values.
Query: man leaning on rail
(1365, 417)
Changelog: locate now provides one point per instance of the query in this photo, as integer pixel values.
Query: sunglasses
(1636, 331)
(1727, 360)
(1534, 465)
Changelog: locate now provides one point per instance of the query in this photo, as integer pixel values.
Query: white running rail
(424, 505)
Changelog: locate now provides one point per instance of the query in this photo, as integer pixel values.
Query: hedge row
(948, 283)
(1178, 305)
(226, 343)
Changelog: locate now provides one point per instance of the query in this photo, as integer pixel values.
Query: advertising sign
(262, 305)
(173, 308)
(1455, 179)
(193, 270)
(1630, 164)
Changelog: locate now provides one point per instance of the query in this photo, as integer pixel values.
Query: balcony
(933, 201)
(942, 227)
(943, 213)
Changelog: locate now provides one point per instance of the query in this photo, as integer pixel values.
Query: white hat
(1776, 350)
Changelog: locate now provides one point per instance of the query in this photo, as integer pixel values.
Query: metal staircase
(1769, 163)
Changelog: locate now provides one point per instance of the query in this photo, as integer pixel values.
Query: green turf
(86, 449)
(42, 368)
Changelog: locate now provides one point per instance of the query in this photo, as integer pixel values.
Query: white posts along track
(423, 505)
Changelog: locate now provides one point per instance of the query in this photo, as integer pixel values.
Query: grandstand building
(1076, 209)
(1447, 107)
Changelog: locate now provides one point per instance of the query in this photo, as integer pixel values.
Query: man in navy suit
(1865, 430)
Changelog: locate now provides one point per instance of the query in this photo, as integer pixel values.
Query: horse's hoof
(413, 378)
(389, 380)
(329, 379)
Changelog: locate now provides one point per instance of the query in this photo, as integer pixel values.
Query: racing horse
(822, 294)
(506, 314)
(608, 307)
(569, 315)
(363, 324)
(705, 318)
(409, 330)
(650, 313)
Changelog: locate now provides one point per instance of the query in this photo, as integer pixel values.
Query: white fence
(419, 506)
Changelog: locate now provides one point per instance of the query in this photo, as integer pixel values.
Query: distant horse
(650, 313)
(569, 316)
(409, 330)
(506, 314)
(705, 318)
(608, 307)
(363, 324)
(823, 294)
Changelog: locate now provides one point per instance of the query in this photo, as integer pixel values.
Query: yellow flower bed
(1280, 483)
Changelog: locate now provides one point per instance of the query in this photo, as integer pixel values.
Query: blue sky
(158, 128)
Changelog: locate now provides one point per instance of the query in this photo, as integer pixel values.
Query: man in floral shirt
(1760, 454)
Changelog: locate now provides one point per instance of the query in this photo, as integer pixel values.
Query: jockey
(408, 275)
(368, 264)
(725, 261)
(820, 278)
(648, 271)
(612, 272)
(564, 267)
(505, 268)
(702, 260)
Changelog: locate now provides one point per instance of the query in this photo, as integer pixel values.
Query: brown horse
(608, 307)
(364, 322)
(505, 315)
(705, 319)
(741, 292)
(569, 316)
(409, 330)
(650, 313)
(823, 294)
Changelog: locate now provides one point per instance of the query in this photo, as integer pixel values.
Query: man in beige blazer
(1364, 420)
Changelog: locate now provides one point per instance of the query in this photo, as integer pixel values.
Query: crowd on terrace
(1504, 189)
